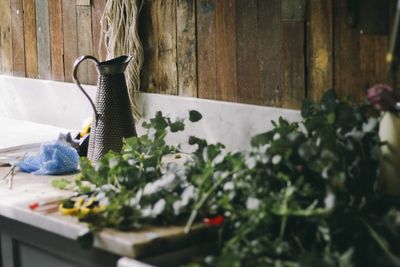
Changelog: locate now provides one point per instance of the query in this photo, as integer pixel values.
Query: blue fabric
(54, 158)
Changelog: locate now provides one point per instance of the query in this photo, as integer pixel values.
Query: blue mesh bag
(53, 158)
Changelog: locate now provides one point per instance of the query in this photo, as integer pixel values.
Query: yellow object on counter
(71, 211)
(85, 129)
(82, 207)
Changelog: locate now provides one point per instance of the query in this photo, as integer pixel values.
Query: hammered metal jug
(113, 118)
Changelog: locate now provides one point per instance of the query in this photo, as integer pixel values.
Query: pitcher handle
(77, 62)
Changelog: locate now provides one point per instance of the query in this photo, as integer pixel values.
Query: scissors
(10, 176)
(10, 161)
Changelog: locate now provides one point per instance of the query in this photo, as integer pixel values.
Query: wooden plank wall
(264, 52)
(42, 38)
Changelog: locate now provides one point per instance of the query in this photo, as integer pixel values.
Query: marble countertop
(19, 137)
(27, 188)
(16, 133)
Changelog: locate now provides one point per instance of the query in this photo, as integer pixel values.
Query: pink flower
(382, 97)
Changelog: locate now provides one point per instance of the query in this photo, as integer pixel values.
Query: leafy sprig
(303, 195)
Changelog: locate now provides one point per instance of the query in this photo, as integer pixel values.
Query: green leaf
(60, 184)
(306, 108)
(177, 126)
(194, 116)
(159, 122)
(330, 118)
(197, 141)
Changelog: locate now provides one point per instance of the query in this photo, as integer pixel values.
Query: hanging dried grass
(119, 31)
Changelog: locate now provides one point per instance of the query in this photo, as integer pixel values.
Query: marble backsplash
(63, 105)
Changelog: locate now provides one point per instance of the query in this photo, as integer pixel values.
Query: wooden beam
(248, 60)
(320, 40)
(43, 39)
(293, 67)
(56, 40)
(186, 47)
(167, 59)
(226, 50)
(17, 33)
(86, 72)
(206, 54)
(6, 38)
(149, 34)
(270, 51)
(70, 37)
(30, 41)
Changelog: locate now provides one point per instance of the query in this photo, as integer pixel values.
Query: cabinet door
(23, 245)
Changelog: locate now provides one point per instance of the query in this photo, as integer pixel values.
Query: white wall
(63, 105)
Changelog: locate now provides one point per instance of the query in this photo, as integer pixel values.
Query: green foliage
(194, 116)
(60, 184)
(303, 195)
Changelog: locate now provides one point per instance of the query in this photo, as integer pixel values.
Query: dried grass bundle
(119, 31)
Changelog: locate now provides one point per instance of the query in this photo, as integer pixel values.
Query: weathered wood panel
(186, 47)
(31, 63)
(206, 57)
(293, 10)
(320, 47)
(293, 64)
(6, 39)
(70, 37)
(17, 33)
(98, 46)
(56, 40)
(248, 74)
(167, 57)
(43, 39)
(256, 51)
(148, 30)
(270, 52)
(225, 32)
(346, 54)
(86, 72)
(373, 67)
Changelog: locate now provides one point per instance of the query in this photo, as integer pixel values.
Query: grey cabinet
(26, 246)
(23, 245)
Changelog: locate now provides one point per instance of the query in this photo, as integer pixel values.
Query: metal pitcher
(113, 118)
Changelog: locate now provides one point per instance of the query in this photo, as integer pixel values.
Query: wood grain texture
(6, 39)
(17, 33)
(86, 73)
(225, 32)
(206, 54)
(148, 31)
(43, 39)
(374, 17)
(293, 10)
(293, 64)
(98, 49)
(320, 47)
(254, 51)
(167, 58)
(83, 2)
(56, 40)
(270, 51)
(373, 49)
(70, 37)
(347, 79)
(31, 61)
(186, 47)
(248, 60)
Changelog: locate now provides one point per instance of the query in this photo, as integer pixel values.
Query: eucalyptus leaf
(194, 116)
